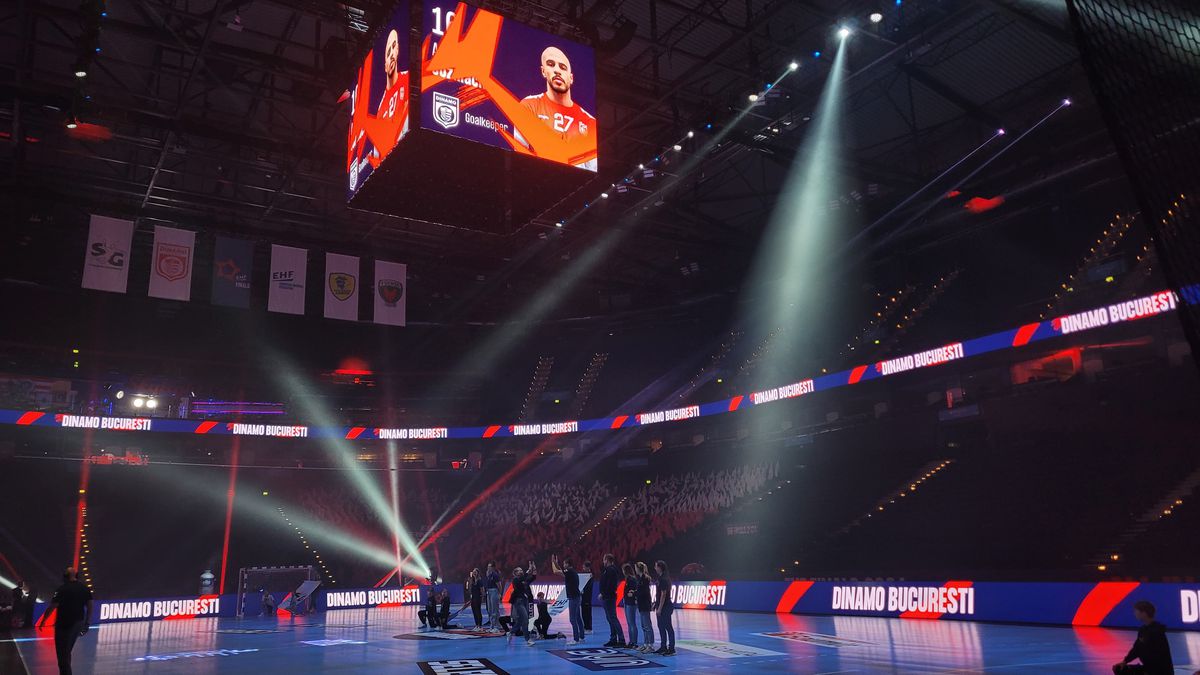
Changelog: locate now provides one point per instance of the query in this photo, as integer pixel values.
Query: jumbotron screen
(495, 81)
(379, 102)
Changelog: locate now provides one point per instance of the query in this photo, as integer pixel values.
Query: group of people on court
(631, 582)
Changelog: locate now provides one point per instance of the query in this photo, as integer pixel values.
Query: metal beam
(950, 94)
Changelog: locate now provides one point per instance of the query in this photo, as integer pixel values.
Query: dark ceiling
(224, 118)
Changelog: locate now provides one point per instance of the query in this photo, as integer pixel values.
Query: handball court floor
(388, 640)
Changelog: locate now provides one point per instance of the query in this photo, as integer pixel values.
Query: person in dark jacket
(24, 600)
(475, 593)
(664, 608)
(1151, 647)
(610, 579)
(72, 605)
(630, 600)
(585, 593)
(522, 596)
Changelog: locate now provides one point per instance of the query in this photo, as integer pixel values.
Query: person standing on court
(491, 586)
(571, 582)
(630, 599)
(664, 608)
(585, 605)
(522, 595)
(645, 605)
(475, 593)
(72, 604)
(610, 579)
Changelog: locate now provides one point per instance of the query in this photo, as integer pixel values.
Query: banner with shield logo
(341, 287)
(171, 264)
(391, 292)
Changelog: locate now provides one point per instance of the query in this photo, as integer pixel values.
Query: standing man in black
(23, 603)
(610, 579)
(585, 607)
(73, 602)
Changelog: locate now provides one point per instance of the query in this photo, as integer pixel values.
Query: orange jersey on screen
(570, 121)
(395, 100)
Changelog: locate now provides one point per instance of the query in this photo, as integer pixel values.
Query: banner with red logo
(391, 292)
(171, 263)
(233, 265)
(106, 261)
(341, 287)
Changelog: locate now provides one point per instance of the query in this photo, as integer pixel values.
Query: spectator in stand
(1151, 647)
(475, 593)
(664, 608)
(571, 584)
(610, 578)
(644, 606)
(491, 585)
(630, 600)
(521, 598)
(585, 604)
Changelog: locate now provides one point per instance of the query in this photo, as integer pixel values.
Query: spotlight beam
(929, 207)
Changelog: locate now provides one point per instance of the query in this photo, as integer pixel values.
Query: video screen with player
(495, 81)
(379, 102)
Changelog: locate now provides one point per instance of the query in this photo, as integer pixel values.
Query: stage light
(691, 134)
(876, 17)
(559, 224)
(139, 402)
(1000, 132)
(152, 403)
(80, 72)
(843, 32)
(120, 394)
(72, 122)
(793, 66)
(677, 148)
(816, 55)
(604, 195)
(1066, 101)
(753, 97)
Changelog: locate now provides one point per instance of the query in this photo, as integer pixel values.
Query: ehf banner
(341, 287)
(288, 267)
(171, 264)
(391, 292)
(233, 261)
(106, 261)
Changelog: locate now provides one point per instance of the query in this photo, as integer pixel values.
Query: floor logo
(460, 667)
(442, 635)
(725, 650)
(817, 639)
(603, 659)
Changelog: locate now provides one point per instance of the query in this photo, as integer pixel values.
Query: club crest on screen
(171, 261)
(341, 285)
(445, 110)
(390, 291)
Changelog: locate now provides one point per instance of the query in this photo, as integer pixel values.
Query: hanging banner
(341, 287)
(288, 267)
(391, 292)
(106, 261)
(233, 263)
(171, 265)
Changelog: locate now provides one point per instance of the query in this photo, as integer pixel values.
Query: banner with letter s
(171, 264)
(106, 260)
(391, 292)
(288, 267)
(341, 287)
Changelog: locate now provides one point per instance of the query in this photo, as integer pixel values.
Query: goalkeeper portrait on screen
(555, 107)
